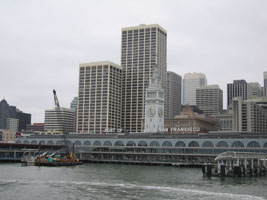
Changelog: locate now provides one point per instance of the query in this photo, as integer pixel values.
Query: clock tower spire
(154, 105)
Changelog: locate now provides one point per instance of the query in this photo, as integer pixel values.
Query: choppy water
(98, 181)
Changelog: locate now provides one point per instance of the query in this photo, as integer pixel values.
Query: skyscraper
(265, 83)
(237, 89)
(191, 82)
(173, 95)
(143, 48)
(7, 111)
(240, 88)
(99, 101)
(210, 99)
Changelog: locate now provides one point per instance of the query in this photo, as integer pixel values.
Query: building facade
(209, 99)
(254, 90)
(250, 115)
(225, 120)
(191, 122)
(265, 83)
(237, 89)
(38, 127)
(7, 111)
(73, 104)
(173, 95)
(99, 100)
(143, 48)
(59, 120)
(191, 82)
(154, 108)
(12, 124)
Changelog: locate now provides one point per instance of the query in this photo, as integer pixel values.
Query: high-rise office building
(238, 88)
(99, 101)
(24, 119)
(250, 115)
(265, 83)
(210, 99)
(254, 90)
(173, 95)
(143, 48)
(7, 111)
(191, 82)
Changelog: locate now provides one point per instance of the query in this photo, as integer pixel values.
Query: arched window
(26, 142)
(180, 144)
(142, 144)
(154, 144)
(107, 144)
(50, 142)
(193, 144)
(222, 144)
(119, 144)
(253, 144)
(86, 143)
(167, 144)
(131, 144)
(77, 143)
(97, 143)
(207, 144)
(42, 142)
(59, 142)
(18, 142)
(237, 144)
(34, 142)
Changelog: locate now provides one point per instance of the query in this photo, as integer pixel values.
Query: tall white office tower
(99, 101)
(191, 82)
(154, 105)
(143, 48)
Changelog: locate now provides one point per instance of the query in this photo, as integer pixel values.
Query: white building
(59, 120)
(154, 109)
(191, 82)
(99, 101)
(250, 115)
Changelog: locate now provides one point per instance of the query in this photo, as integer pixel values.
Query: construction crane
(56, 99)
(58, 111)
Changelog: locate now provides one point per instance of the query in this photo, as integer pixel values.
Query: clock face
(160, 112)
(151, 111)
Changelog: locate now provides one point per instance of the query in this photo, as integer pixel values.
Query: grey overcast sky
(43, 42)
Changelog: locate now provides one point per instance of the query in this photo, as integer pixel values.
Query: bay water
(108, 181)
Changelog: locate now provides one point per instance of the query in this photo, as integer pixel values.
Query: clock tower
(154, 105)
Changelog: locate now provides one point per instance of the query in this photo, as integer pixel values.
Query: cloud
(43, 42)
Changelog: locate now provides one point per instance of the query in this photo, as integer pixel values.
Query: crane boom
(56, 99)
